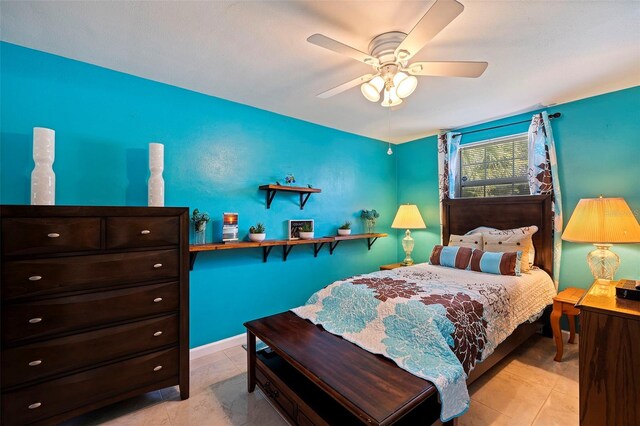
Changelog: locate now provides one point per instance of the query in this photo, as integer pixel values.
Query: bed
(312, 376)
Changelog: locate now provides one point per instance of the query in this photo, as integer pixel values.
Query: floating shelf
(287, 245)
(305, 193)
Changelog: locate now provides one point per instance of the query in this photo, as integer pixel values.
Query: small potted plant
(257, 233)
(345, 229)
(200, 221)
(369, 217)
(306, 232)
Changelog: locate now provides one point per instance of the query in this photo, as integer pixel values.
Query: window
(493, 168)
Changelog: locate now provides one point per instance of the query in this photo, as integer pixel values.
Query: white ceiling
(255, 52)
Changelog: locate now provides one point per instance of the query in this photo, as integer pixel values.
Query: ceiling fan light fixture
(391, 98)
(406, 87)
(371, 90)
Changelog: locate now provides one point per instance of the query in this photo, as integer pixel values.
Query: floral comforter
(435, 322)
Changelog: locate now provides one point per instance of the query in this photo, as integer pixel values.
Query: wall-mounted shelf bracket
(265, 253)
(317, 247)
(370, 241)
(285, 252)
(332, 246)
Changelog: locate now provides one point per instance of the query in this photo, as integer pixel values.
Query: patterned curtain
(448, 167)
(543, 178)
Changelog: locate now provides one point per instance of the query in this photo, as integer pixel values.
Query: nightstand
(391, 266)
(564, 303)
(609, 357)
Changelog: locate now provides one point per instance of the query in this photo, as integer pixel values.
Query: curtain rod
(551, 116)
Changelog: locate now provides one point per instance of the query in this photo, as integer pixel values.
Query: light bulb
(399, 77)
(371, 90)
(391, 98)
(389, 151)
(406, 86)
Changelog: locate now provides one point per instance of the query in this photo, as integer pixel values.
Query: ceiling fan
(389, 55)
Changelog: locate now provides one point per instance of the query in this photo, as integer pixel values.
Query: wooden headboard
(464, 214)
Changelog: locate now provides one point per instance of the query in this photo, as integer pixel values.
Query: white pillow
(527, 230)
(472, 241)
(507, 243)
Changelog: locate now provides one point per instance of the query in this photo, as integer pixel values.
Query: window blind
(496, 167)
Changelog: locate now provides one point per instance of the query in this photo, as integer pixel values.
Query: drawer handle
(157, 300)
(34, 363)
(35, 405)
(157, 265)
(145, 232)
(273, 393)
(157, 333)
(157, 368)
(35, 320)
(53, 235)
(35, 278)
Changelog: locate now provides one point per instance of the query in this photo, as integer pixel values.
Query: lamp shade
(602, 220)
(371, 90)
(408, 217)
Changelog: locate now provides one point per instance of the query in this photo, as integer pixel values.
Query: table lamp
(602, 221)
(408, 217)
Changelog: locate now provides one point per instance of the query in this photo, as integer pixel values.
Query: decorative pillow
(510, 243)
(453, 257)
(473, 241)
(530, 230)
(498, 263)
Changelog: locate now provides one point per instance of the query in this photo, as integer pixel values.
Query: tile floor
(526, 388)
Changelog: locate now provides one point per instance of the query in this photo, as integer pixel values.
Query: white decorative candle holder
(156, 182)
(43, 179)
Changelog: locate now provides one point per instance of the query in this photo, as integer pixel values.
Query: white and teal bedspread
(435, 322)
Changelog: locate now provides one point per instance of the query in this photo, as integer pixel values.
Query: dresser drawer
(129, 232)
(21, 236)
(38, 402)
(39, 276)
(49, 316)
(37, 360)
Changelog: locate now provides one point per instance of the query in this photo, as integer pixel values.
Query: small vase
(200, 233)
(156, 182)
(370, 226)
(43, 179)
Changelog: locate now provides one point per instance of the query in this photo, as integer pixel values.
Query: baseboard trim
(220, 345)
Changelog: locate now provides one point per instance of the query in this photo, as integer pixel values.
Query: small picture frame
(296, 225)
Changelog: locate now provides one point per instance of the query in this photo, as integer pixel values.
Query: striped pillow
(453, 257)
(498, 263)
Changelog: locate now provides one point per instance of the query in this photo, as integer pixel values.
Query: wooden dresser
(94, 307)
(609, 357)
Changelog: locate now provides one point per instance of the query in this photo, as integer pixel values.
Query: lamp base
(603, 262)
(407, 245)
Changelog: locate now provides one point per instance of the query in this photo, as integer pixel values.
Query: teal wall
(598, 150)
(216, 154)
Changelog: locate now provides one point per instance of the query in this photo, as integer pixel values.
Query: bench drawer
(41, 276)
(50, 316)
(271, 391)
(21, 236)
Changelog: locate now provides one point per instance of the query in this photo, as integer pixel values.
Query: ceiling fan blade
(448, 69)
(343, 49)
(346, 86)
(437, 17)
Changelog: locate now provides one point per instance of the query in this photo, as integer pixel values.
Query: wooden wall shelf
(287, 245)
(305, 193)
